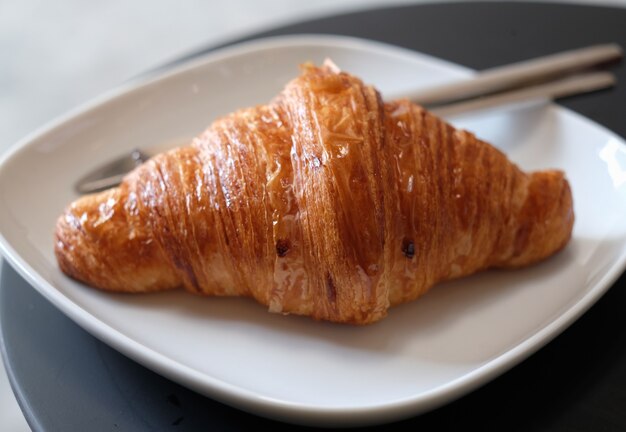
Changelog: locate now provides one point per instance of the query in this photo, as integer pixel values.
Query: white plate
(423, 354)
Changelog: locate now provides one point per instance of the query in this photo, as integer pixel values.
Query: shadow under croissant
(453, 324)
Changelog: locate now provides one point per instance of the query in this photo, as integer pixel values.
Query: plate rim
(246, 399)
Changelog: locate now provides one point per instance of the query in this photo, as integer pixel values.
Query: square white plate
(423, 354)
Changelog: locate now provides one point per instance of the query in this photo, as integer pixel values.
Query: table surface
(65, 379)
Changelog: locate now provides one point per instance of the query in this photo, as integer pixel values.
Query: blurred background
(55, 55)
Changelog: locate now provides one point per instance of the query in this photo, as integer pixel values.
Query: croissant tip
(328, 65)
(331, 65)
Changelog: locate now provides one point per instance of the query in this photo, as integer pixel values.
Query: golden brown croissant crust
(326, 202)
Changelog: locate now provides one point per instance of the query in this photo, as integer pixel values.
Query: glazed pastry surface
(326, 202)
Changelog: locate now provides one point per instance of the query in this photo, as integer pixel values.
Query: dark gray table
(65, 379)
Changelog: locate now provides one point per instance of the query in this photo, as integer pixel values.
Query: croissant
(325, 202)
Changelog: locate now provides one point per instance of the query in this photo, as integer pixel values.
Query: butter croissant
(326, 202)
